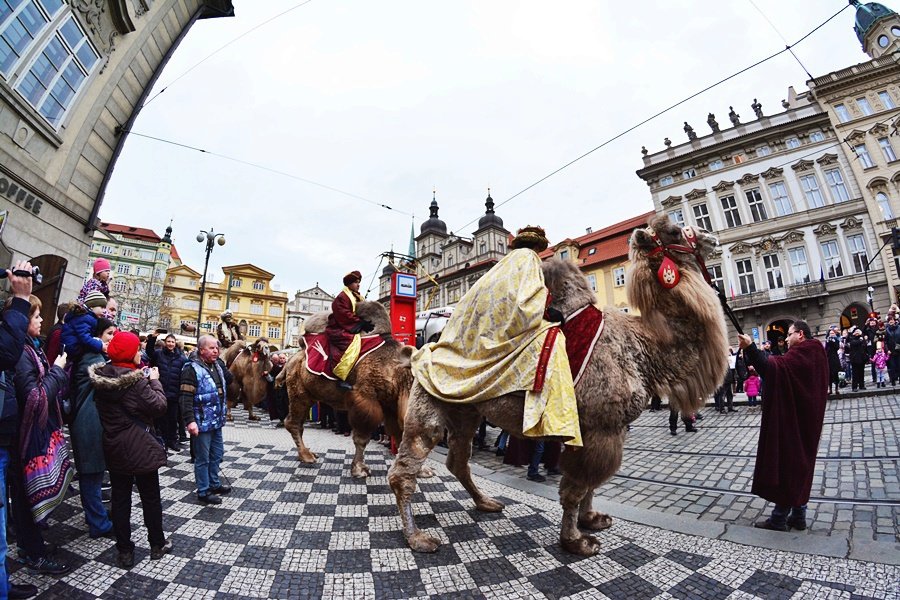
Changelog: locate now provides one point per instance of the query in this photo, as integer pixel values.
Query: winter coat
(880, 360)
(170, 364)
(78, 333)
(203, 394)
(37, 400)
(128, 403)
(859, 354)
(741, 367)
(53, 344)
(13, 333)
(832, 346)
(892, 336)
(751, 385)
(86, 432)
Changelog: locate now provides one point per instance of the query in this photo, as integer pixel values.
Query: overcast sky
(387, 100)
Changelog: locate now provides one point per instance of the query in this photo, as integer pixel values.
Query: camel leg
(293, 423)
(571, 539)
(423, 430)
(464, 423)
(359, 468)
(588, 518)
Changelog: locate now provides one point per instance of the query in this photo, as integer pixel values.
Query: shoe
(157, 552)
(45, 566)
(125, 560)
(222, 489)
(174, 446)
(536, 477)
(109, 533)
(732, 410)
(798, 524)
(344, 385)
(673, 432)
(500, 451)
(22, 590)
(768, 524)
(554, 472)
(209, 499)
(691, 429)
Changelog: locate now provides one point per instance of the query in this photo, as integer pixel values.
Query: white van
(430, 323)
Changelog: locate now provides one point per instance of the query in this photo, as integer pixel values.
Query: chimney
(589, 230)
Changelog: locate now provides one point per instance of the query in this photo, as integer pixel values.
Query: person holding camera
(13, 333)
(344, 327)
(128, 399)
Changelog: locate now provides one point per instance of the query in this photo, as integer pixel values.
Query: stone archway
(855, 314)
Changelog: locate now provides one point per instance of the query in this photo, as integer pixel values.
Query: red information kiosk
(403, 308)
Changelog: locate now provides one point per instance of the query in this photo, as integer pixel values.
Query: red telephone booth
(403, 308)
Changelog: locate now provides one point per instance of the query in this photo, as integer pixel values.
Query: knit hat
(95, 299)
(352, 276)
(100, 265)
(122, 348)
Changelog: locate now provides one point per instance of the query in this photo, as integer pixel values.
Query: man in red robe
(795, 387)
(344, 327)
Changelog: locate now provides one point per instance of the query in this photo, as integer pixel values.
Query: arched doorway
(53, 270)
(778, 330)
(855, 314)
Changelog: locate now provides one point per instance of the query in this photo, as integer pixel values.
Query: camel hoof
(308, 458)
(229, 418)
(586, 545)
(425, 473)
(422, 542)
(489, 505)
(360, 472)
(253, 418)
(595, 521)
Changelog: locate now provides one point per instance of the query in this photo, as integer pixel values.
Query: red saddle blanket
(317, 361)
(582, 330)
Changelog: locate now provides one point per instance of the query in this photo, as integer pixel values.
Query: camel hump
(317, 322)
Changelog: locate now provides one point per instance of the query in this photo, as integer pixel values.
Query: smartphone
(146, 371)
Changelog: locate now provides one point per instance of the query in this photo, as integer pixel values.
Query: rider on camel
(344, 327)
(227, 330)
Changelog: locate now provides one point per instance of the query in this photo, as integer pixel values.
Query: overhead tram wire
(772, 25)
(662, 112)
(270, 170)
(214, 52)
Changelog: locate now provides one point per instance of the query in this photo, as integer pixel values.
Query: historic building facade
(73, 76)
(246, 290)
(305, 304)
(139, 259)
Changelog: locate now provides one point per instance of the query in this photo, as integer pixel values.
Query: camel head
(263, 351)
(377, 314)
(569, 290)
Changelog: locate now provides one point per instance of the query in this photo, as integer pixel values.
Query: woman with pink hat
(99, 282)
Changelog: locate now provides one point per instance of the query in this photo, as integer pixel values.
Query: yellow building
(603, 258)
(259, 310)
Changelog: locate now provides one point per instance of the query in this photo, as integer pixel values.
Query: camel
(675, 348)
(381, 383)
(247, 364)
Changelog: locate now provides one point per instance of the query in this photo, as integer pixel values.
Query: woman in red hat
(128, 400)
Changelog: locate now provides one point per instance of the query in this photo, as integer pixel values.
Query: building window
(274, 310)
(885, 206)
(274, 332)
(792, 143)
(799, 266)
(592, 281)
(772, 265)
(564, 255)
(157, 273)
(887, 149)
(810, 186)
(120, 285)
(156, 289)
(836, 183)
(732, 216)
(256, 308)
(142, 271)
(234, 306)
(667, 180)
(857, 246)
(780, 199)
(862, 153)
(886, 100)
(619, 276)
(22, 24)
(745, 276)
(123, 269)
(127, 252)
(864, 107)
(677, 217)
(716, 165)
(500, 247)
(832, 261)
(688, 174)
(259, 286)
(482, 248)
(763, 151)
(190, 304)
(757, 208)
(106, 249)
(449, 260)
(592, 251)
(193, 282)
(214, 304)
(170, 281)
(842, 113)
(715, 276)
(816, 136)
(739, 158)
(255, 330)
(701, 217)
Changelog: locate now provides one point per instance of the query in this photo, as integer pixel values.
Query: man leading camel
(795, 387)
(343, 329)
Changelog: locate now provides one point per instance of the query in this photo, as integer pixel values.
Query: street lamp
(209, 237)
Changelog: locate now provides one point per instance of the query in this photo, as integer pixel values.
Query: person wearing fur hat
(78, 327)
(128, 401)
(99, 282)
(344, 327)
(227, 330)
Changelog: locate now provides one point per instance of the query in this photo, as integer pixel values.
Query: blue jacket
(13, 331)
(78, 334)
(202, 395)
(170, 364)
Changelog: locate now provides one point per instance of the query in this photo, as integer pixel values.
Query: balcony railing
(792, 292)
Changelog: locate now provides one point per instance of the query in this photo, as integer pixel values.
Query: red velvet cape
(795, 387)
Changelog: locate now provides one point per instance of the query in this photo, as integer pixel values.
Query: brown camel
(381, 383)
(247, 364)
(675, 348)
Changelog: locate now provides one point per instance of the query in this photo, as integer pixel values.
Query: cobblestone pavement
(296, 531)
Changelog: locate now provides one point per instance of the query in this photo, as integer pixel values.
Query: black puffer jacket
(128, 403)
(858, 353)
(169, 364)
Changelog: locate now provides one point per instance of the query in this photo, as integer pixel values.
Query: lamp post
(210, 237)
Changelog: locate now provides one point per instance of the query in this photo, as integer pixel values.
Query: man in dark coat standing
(795, 387)
(170, 361)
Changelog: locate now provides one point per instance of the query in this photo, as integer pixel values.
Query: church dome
(867, 15)
(388, 269)
(434, 224)
(489, 218)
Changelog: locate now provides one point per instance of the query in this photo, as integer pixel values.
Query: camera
(146, 371)
(35, 274)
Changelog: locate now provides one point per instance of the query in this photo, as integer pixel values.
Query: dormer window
(564, 255)
(689, 174)
(592, 251)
